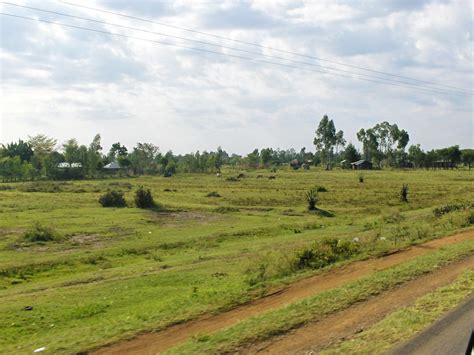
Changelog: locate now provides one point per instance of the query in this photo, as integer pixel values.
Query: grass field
(113, 272)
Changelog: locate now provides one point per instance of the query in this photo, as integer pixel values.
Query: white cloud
(67, 82)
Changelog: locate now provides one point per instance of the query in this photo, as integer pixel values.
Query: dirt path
(316, 336)
(156, 342)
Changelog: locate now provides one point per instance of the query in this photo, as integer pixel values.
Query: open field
(115, 272)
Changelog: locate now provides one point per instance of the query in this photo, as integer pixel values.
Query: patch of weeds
(89, 310)
(213, 194)
(133, 251)
(321, 189)
(113, 198)
(42, 186)
(121, 184)
(40, 233)
(226, 209)
(5, 187)
(232, 178)
(173, 245)
(439, 211)
(326, 252)
(393, 217)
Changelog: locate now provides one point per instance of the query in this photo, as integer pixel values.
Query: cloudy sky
(67, 82)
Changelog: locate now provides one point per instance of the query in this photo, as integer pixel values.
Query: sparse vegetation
(213, 194)
(452, 207)
(255, 236)
(40, 233)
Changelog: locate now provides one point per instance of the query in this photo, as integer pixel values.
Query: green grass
(113, 272)
(400, 325)
(312, 308)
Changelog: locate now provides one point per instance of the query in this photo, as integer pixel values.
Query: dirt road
(316, 336)
(156, 342)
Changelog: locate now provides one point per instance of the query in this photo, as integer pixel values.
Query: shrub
(361, 178)
(321, 189)
(213, 194)
(40, 233)
(404, 193)
(439, 211)
(325, 252)
(112, 198)
(470, 218)
(144, 198)
(312, 199)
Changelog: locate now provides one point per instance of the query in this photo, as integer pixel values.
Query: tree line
(384, 145)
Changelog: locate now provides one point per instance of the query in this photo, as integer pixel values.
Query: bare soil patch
(183, 218)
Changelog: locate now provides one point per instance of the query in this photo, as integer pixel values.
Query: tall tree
(94, 157)
(325, 139)
(21, 149)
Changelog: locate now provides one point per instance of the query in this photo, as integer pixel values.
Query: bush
(361, 178)
(326, 252)
(439, 211)
(312, 199)
(213, 194)
(40, 233)
(113, 198)
(321, 189)
(404, 193)
(144, 198)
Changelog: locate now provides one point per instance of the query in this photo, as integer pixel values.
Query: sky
(67, 82)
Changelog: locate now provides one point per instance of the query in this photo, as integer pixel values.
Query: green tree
(266, 155)
(351, 154)
(21, 149)
(468, 157)
(325, 139)
(94, 157)
(416, 155)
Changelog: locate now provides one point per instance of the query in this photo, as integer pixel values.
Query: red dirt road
(157, 342)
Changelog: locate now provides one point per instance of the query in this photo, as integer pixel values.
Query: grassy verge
(282, 320)
(404, 323)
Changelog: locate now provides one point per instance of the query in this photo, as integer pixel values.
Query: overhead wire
(230, 55)
(222, 46)
(262, 46)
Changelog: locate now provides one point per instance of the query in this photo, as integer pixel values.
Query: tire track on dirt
(314, 337)
(160, 341)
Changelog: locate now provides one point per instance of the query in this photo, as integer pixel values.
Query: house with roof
(361, 165)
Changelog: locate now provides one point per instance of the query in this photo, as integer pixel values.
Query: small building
(65, 165)
(113, 166)
(361, 165)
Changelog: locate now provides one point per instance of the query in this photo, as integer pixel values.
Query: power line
(226, 54)
(226, 47)
(264, 47)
